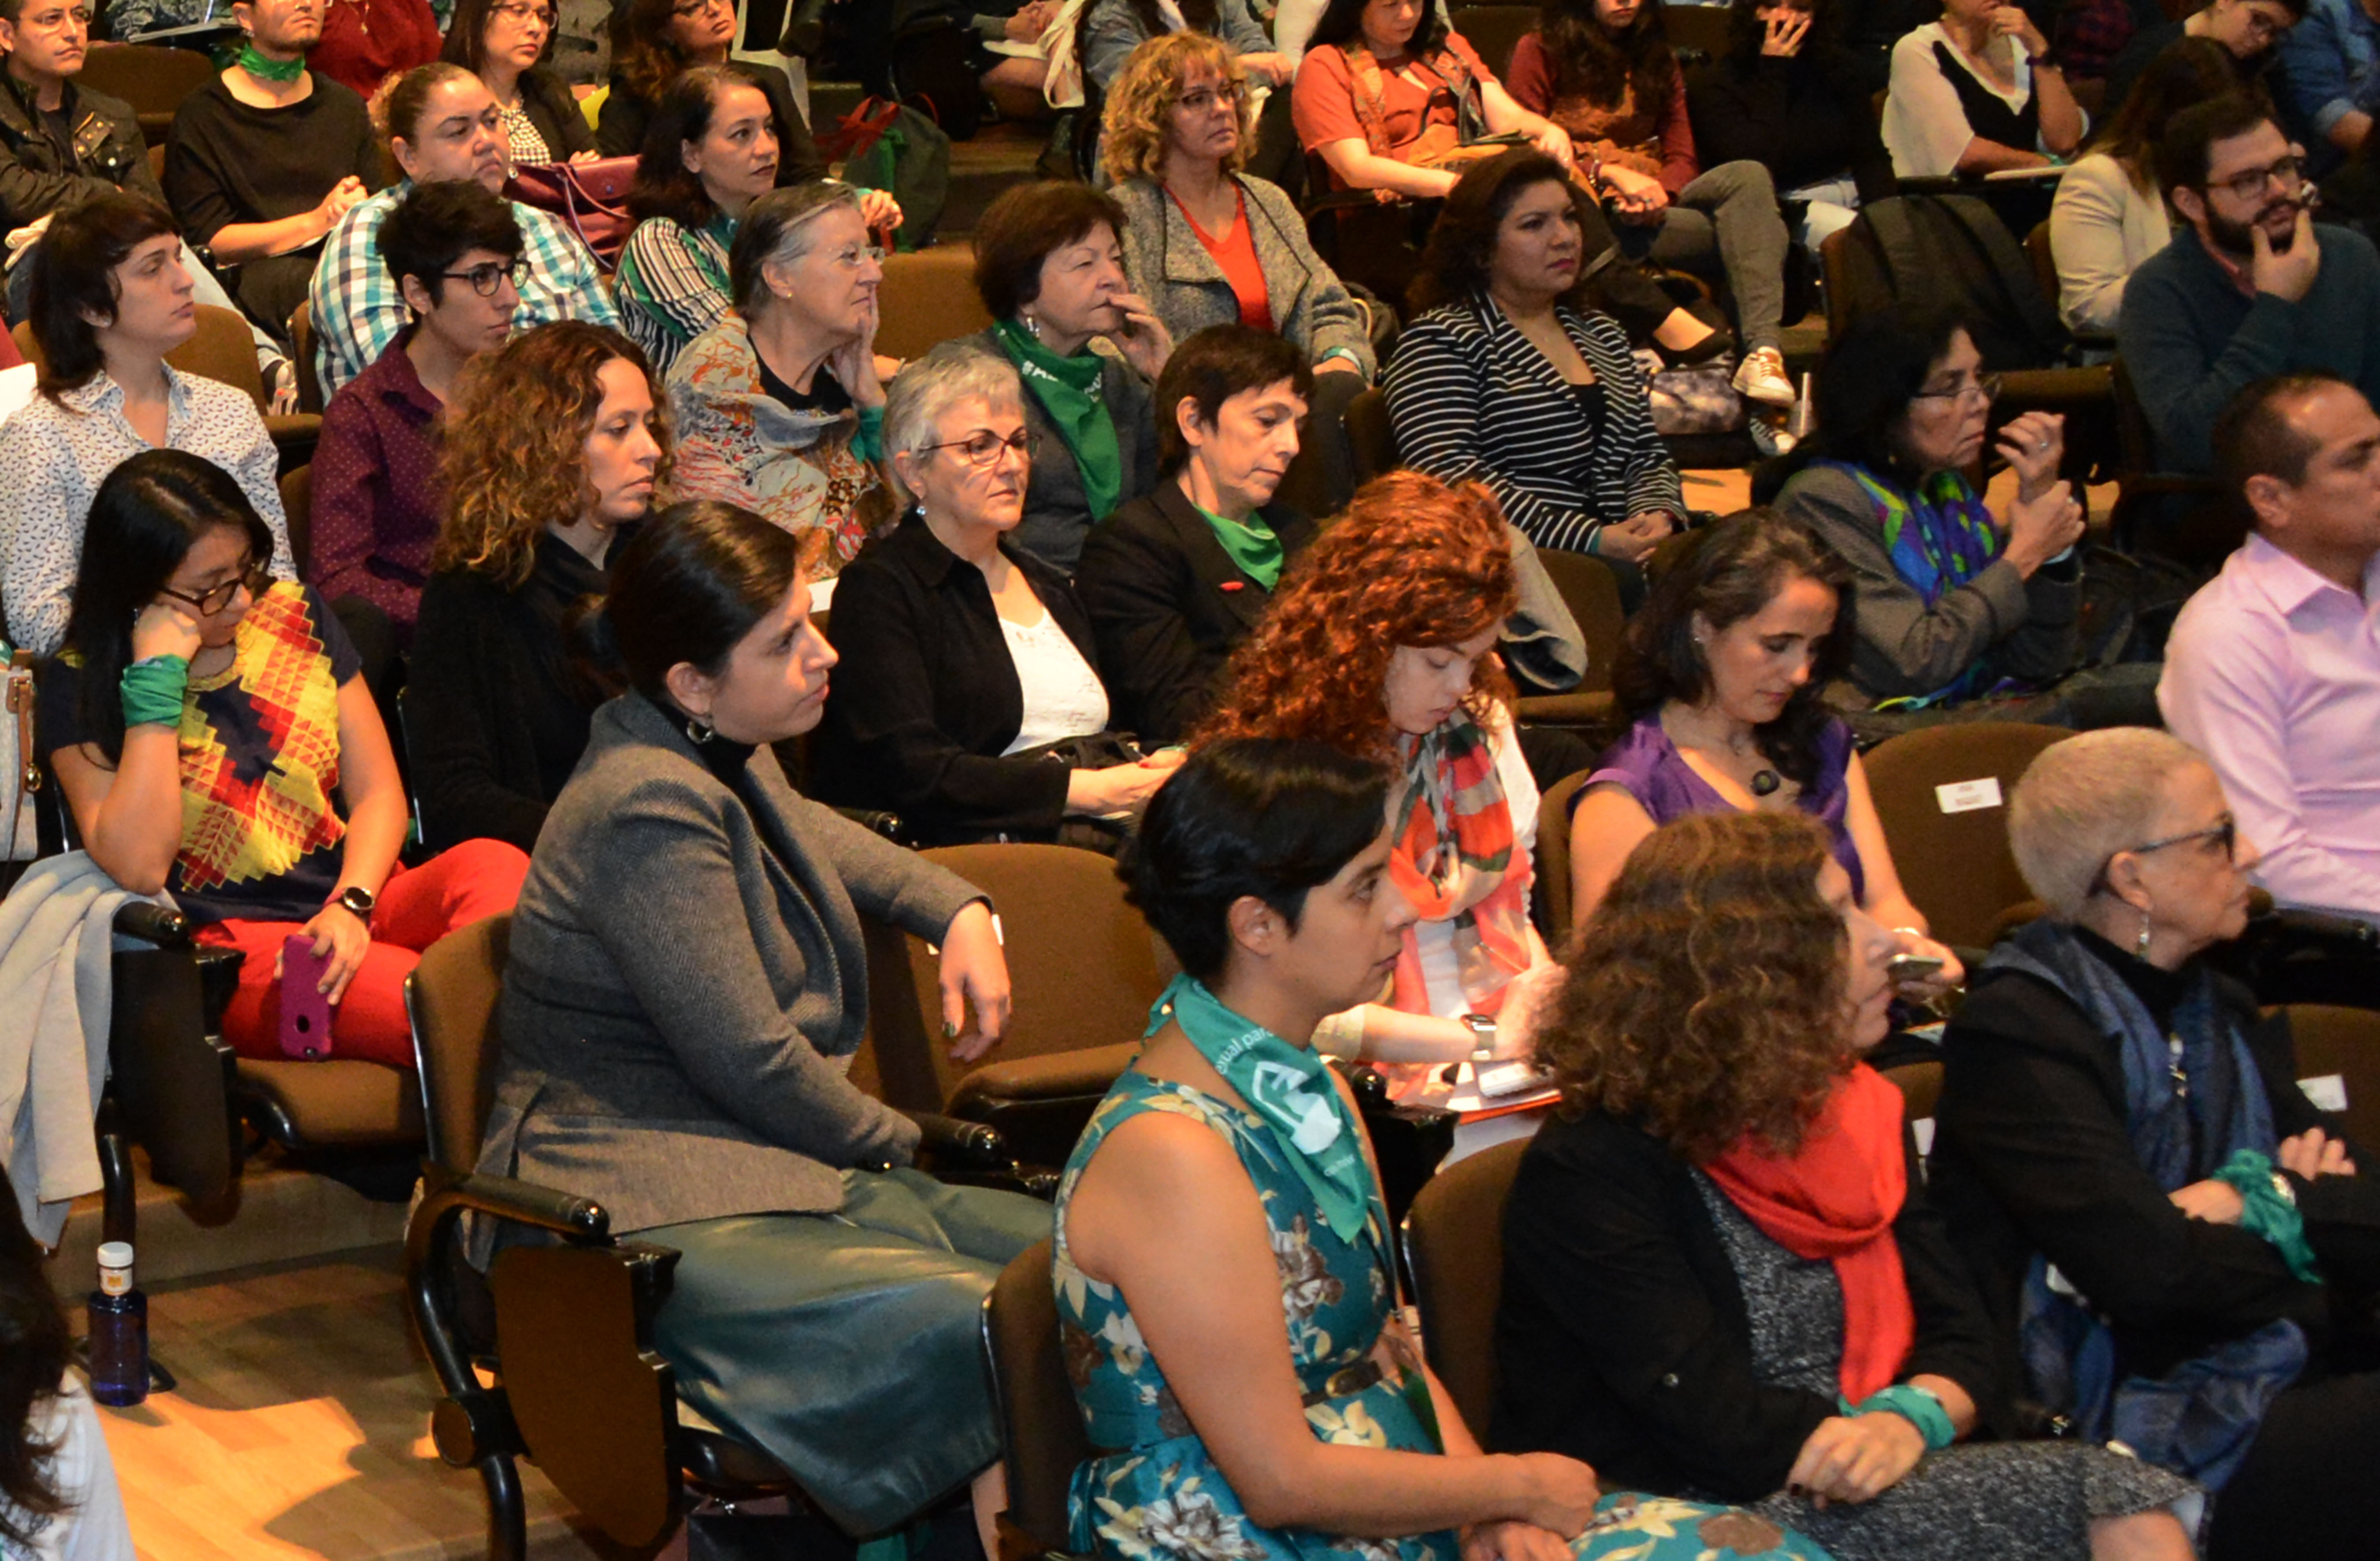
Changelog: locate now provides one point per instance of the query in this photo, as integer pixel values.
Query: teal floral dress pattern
(1149, 1492)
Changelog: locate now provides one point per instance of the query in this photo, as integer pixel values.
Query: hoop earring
(699, 732)
(2141, 944)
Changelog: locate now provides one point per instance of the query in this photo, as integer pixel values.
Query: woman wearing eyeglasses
(213, 735)
(779, 406)
(506, 43)
(2180, 1248)
(557, 443)
(1951, 601)
(961, 654)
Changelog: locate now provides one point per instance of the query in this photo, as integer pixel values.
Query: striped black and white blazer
(1472, 398)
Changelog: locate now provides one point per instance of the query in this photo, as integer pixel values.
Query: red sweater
(1668, 136)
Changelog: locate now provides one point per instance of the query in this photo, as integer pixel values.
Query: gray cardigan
(687, 985)
(1057, 511)
(1168, 267)
(2029, 627)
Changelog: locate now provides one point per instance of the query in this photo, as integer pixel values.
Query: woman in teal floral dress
(1224, 1189)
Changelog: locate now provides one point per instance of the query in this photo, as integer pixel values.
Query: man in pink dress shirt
(2272, 670)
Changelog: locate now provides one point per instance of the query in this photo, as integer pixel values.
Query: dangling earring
(699, 732)
(2141, 944)
(1032, 326)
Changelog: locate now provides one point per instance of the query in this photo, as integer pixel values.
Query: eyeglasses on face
(1198, 100)
(252, 578)
(1986, 386)
(485, 278)
(541, 15)
(2251, 185)
(851, 257)
(2225, 835)
(982, 447)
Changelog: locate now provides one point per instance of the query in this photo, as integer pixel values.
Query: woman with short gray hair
(2161, 1217)
(967, 666)
(779, 406)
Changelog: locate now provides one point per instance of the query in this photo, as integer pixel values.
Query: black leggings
(2307, 1488)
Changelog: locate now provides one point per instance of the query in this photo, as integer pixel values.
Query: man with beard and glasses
(2262, 291)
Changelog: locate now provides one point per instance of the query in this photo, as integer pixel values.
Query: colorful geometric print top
(1149, 1492)
(259, 760)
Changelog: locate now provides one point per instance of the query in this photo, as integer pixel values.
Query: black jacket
(547, 100)
(496, 713)
(620, 124)
(1169, 606)
(1623, 1337)
(926, 695)
(1804, 118)
(2031, 1155)
(109, 154)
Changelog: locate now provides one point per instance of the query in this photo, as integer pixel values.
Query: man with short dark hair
(455, 252)
(2251, 290)
(2273, 670)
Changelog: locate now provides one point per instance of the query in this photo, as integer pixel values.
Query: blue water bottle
(119, 1330)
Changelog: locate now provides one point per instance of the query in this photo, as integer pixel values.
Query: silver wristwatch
(1483, 1036)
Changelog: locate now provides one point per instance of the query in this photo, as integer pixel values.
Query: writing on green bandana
(1068, 390)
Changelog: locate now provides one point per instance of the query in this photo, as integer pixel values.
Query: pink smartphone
(305, 1010)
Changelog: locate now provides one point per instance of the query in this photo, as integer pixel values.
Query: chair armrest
(2343, 933)
(151, 923)
(967, 1147)
(877, 821)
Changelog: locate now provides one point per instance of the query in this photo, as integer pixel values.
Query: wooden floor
(300, 1428)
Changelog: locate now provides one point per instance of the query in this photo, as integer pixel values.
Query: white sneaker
(1767, 437)
(1761, 375)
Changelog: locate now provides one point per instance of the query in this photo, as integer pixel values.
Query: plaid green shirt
(358, 310)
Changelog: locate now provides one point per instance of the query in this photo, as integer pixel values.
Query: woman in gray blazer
(686, 990)
(1208, 244)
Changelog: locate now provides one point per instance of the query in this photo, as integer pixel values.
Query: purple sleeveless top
(1647, 766)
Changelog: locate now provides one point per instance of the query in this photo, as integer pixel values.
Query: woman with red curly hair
(1721, 1275)
(1382, 644)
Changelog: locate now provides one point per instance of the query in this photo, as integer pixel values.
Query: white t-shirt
(93, 1528)
(1062, 696)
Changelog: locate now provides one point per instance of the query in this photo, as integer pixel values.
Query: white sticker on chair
(1969, 796)
(2327, 1093)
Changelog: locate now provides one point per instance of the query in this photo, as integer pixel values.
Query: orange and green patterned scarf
(1455, 860)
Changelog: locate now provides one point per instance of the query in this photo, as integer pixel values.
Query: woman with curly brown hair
(1721, 1276)
(555, 444)
(1381, 643)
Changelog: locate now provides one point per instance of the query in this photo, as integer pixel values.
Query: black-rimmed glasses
(485, 278)
(252, 578)
(2225, 834)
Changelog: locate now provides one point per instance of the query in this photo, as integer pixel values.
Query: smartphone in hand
(305, 1010)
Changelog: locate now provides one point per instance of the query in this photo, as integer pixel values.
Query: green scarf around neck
(1068, 388)
(265, 69)
(1291, 1088)
(1251, 544)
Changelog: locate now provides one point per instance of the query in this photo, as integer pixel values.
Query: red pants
(468, 883)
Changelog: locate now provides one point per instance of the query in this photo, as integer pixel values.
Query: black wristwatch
(357, 899)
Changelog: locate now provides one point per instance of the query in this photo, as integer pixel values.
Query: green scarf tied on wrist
(1291, 1088)
(1251, 544)
(1068, 388)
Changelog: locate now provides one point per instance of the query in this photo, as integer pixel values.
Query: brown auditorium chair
(1493, 31)
(2342, 1044)
(224, 349)
(1703, 30)
(1951, 846)
(1920, 1084)
(2194, 521)
(1083, 971)
(297, 504)
(152, 79)
(1371, 435)
(1454, 1249)
(1040, 1429)
(1550, 900)
(563, 1332)
(2045, 262)
(301, 348)
(1591, 592)
(926, 297)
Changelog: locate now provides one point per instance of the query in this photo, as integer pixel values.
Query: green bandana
(1250, 542)
(264, 69)
(1290, 1088)
(1068, 388)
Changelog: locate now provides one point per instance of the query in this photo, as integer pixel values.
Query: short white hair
(2086, 798)
(931, 385)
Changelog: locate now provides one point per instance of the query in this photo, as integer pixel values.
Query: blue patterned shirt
(357, 309)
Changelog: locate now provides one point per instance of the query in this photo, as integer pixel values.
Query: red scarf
(1837, 1199)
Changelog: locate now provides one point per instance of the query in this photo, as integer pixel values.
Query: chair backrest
(451, 997)
(2341, 1044)
(1920, 1084)
(2045, 262)
(1454, 1245)
(1705, 30)
(1371, 436)
(301, 348)
(1941, 794)
(223, 348)
(297, 504)
(927, 295)
(1552, 891)
(152, 79)
(1040, 1427)
(1081, 968)
(1591, 593)
(1495, 31)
